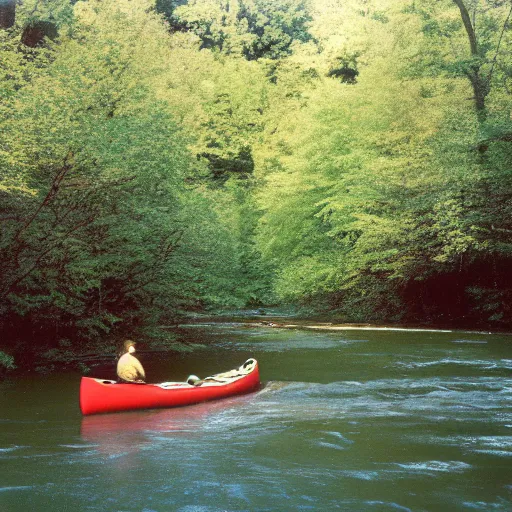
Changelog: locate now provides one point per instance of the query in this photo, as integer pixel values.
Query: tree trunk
(7, 13)
(480, 84)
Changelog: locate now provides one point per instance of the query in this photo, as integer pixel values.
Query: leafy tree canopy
(251, 28)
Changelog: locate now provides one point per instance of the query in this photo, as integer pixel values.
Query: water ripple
(436, 466)
(505, 364)
(471, 342)
(16, 488)
(394, 506)
(12, 449)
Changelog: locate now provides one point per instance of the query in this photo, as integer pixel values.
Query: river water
(349, 420)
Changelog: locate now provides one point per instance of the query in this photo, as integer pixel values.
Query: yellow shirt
(130, 369)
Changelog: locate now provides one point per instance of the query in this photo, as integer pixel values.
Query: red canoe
(98, 395)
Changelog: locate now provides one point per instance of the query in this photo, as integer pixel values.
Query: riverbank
(84, 357)
(287, 318)
(277, 324)
(27, 356)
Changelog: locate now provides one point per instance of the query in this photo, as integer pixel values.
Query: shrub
(6, 362)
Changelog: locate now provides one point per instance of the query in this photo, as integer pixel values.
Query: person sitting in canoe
(129, 368)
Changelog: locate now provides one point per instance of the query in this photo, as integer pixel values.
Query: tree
(101, 229)
(384, 209)
(252, 28)
(470, 39)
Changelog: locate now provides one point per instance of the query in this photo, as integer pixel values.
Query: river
(353, 420)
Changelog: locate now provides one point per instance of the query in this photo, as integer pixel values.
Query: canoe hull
(101, 396)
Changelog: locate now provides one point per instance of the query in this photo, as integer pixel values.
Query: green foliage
(59, 12)
(374, 203)
(158, 158)
(84, 369)
(252, 28)
(6, 362)
(167, 8)
(100, 228)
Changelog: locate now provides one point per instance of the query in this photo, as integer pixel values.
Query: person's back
(129, 368)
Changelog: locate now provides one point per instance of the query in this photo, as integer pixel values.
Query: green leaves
(332, 154)
(251, 28)
(101, 230)
(374, 190)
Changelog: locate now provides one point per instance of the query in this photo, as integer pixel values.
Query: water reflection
(121, 434)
